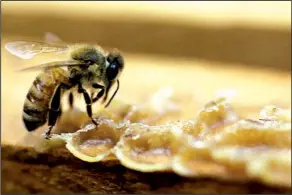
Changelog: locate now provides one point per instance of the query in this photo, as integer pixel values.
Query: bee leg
(107, 89)
(112, 97)
(54, 110)
(88, 103)
(100, 93)
(97, 86)
(98, 96)
(71, 100)
(92, 96)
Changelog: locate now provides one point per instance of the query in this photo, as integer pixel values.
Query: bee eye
(112, 71)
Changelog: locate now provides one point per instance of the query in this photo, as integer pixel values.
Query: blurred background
(197, 48)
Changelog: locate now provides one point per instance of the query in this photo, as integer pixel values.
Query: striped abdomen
(38, 98)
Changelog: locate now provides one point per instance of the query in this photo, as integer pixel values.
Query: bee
(87, 66)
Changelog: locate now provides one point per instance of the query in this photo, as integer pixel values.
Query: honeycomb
(217, 143)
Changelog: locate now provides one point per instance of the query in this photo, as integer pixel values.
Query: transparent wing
(29, 49)
(55, 64)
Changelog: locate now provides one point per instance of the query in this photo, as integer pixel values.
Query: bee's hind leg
(55, 110)
(88, 103)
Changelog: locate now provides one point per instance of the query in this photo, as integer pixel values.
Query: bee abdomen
(32, 122)
(34, 114)
(36, 105)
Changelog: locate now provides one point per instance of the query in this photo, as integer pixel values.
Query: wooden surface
(246, 52)
(25, 171)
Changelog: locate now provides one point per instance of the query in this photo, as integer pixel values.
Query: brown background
(194, 47)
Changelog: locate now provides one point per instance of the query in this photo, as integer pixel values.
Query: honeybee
(87, 66)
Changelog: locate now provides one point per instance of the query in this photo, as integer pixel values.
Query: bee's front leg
(100, 93)
(87, 101)
(112, 97)
(98, 96)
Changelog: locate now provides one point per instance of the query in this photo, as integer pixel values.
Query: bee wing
(55, 64)
(29, 49)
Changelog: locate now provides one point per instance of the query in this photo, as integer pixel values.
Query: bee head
(115, 65)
